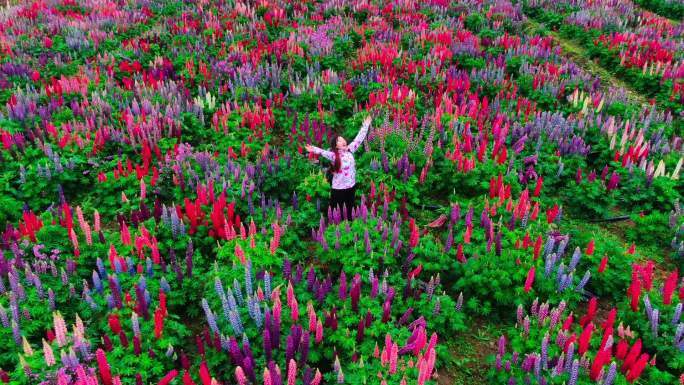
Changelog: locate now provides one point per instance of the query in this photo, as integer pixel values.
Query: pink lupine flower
(317, 378)
(319, 331)
(26, 346)
(60, 328)
(143, 190)
(240, 254)
(292, 372)
(393, 358)
(125, 235)
(294, 310)
(47, 352)
(312, 317)
(240, 376)
(277, 306)
(96, 221)
(74, 242)
(267, 377)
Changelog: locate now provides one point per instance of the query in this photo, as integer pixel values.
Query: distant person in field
(343, 168)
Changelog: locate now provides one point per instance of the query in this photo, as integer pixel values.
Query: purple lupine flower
(583, 282)
(430, 288)
(574, 372)
(459, 302)
(211, 319)
(16, 332)
(135, 324)
(51, 299)
(526, 326)
(678, 333)
(550, 244)
(404, 318)
(100, 267)
(576, 255)
(342, 292)
(218, 286)
(267, 284)
(3, 317)
(561, 246)
(648, 306)
(437, 307)
(543, 312)
(677, 314)
(148, 267)
(549, 263)
(610, 376)
(558, 369)
(235, 322)
(535, 307)
(502, 346)
(569, 358)
(545, 351)
(164, 285)
(237, 291)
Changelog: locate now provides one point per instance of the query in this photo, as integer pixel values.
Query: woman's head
(338, 142)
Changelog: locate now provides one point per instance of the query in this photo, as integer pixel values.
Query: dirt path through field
(572, 51)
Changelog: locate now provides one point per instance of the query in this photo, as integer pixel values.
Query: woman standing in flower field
(343, 167)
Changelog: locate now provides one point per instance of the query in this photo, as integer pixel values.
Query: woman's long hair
(337, 164)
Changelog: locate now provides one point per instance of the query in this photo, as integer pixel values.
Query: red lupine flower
(602, 357)
(636, 369)
(530, 279)
(590, 312)
(187, 380)
(621, 350)
(604, 263)
(631, 357)
(590, 247)
(584, 338)
(103, 367)
(158, 323)
(204, 374)
(169, 377)
(538, 186)
(114, 324)
(669, 288)
(537, 247)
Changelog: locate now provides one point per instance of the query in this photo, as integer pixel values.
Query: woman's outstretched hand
(309, 147)
(367, 121)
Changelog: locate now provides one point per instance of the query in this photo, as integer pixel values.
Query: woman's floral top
(346, 177)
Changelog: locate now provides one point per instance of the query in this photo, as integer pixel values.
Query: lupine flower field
(520, 213)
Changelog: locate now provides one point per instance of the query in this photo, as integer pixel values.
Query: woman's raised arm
(319, 151)
(361, 135)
